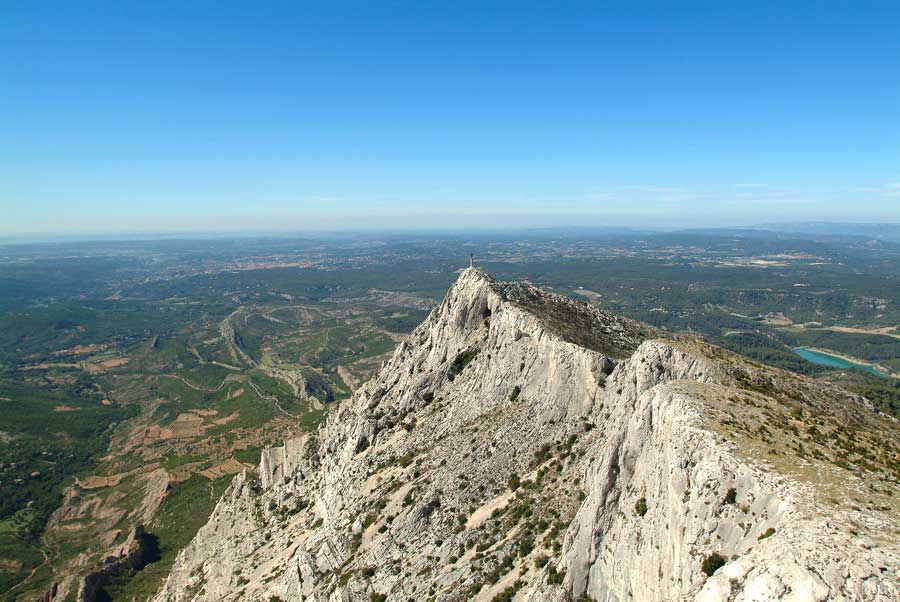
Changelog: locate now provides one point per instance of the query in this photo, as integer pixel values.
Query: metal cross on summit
(471, 260)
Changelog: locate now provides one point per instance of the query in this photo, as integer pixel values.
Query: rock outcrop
(138, 549)
(524, 446)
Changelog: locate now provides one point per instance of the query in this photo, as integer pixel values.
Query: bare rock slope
(523, 446)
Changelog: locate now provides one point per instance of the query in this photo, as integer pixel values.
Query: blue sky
(154, 116)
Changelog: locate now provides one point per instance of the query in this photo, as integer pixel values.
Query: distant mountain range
(877, 231)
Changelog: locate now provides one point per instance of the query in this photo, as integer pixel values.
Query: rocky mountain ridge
(521, 445)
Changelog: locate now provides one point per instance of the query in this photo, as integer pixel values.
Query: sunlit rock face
(520, 445)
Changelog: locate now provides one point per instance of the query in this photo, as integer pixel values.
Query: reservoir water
(833, 361)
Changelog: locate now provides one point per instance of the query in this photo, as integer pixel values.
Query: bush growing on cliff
(508, 594)
(713, 563)
(555, 577)
(731, 496)
(769, 533)
(640, 507)
(460, 362)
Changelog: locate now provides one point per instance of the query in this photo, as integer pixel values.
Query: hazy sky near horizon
(150, 116)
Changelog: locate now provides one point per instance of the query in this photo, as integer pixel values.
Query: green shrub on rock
(640, 508)
(713, 563)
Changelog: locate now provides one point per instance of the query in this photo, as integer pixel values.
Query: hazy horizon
(571, 230)
(463, 223)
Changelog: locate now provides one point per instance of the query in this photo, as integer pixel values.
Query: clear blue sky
(122, 116)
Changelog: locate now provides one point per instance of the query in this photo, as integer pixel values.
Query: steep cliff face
(523, 445)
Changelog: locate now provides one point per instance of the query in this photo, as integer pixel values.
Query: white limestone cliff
(524, 446)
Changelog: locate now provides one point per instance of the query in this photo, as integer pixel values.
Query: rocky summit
(521, 445)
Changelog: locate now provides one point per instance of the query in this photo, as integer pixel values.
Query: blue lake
(824, 359)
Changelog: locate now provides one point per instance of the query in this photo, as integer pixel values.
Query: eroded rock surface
(524, 446)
